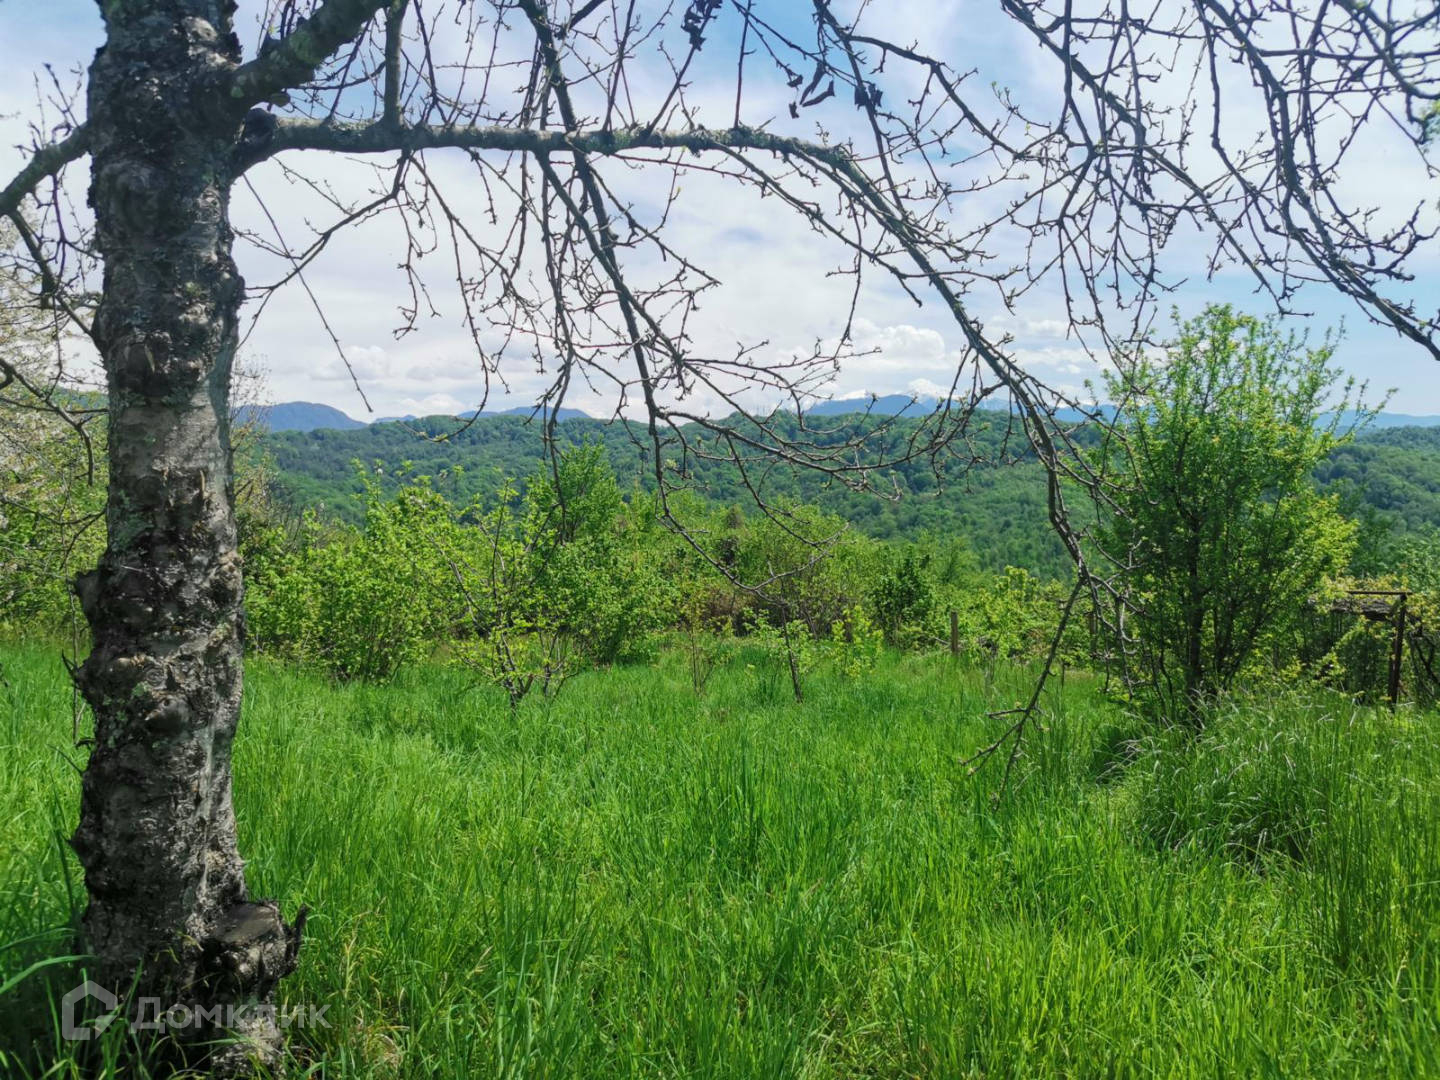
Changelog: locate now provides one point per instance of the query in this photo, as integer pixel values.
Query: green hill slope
(1392, 475)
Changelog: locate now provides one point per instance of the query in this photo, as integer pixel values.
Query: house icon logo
(71, 1011)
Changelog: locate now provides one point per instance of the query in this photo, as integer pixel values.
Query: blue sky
(776, 289)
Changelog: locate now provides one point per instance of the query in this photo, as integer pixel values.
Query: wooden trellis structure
(1381, 605)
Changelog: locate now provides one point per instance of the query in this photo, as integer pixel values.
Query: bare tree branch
(44, 163)
(293, 60)
(381, 138)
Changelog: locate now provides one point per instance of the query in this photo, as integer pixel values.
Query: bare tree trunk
(157, 831)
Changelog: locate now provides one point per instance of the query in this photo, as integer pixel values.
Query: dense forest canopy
(1388, 477)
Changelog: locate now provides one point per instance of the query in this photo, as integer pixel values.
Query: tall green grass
(633, 881)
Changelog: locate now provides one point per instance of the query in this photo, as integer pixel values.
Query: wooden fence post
(954, 633)
(1397, 651)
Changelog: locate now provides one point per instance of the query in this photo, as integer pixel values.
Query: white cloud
(363, 362)
(901, 345)
(1058, 360)
(1045, 328)
(432, 404)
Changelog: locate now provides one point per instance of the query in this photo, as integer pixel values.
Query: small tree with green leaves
(519, 640)
(903, 592)
(1218, 533)
(360, 603)
(592, 558)
(563, 576)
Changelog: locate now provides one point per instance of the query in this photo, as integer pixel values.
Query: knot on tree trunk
(249, 951)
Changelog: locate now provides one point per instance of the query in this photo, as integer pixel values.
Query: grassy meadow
(636, 880)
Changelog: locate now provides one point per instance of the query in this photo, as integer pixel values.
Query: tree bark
(169, 913)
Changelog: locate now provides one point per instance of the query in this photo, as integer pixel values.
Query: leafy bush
(786, 653)
(1012, 616)
(856, 643)
(1217, 524)
(810, 567)
(591, 558)
(52, 515)
(358, 602)
(569, 574)
(903, 593)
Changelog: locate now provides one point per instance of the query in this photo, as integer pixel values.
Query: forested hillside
(1391, 476)
(1395, 472)
(999, 510)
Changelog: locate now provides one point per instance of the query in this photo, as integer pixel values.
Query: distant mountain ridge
(519, 410)
(297, 416)
(312, 416)
(915, 407)
(1396, 420)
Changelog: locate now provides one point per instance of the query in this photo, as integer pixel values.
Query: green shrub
(1010, 616)
(1216, 521)
(567, 575)
(856, 643)
(359, 603)
(903, 593)
(591, 565)
(809, 566)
